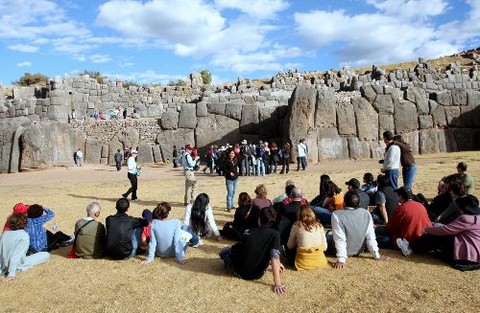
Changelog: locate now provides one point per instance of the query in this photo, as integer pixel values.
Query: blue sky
(162, 40)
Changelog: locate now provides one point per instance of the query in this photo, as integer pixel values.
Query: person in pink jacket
(458, 241)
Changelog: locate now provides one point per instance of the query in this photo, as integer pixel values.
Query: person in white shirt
(391, 159)
(351, 228)
(133, 172)
(79, 157)
(302, 152)
(198, 219)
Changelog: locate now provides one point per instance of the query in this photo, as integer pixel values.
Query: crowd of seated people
(289, 230)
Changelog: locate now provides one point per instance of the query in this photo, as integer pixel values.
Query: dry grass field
(415, 284)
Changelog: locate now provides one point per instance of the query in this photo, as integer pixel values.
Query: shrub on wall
(32, 79)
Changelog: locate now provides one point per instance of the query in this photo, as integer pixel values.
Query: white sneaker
(404, 245)
(198, 244)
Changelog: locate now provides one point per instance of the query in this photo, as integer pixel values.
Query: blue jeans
(408, 173)
(231, 188)
(195, 239)
(324, 215)
(136, 237)
(392, 178)
(260, 167)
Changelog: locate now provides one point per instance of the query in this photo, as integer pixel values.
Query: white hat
(244, 142)
(134, 151)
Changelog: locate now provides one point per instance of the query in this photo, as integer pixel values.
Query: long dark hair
(197, 215)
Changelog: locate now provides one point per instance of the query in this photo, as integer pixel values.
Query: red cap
(20, 208)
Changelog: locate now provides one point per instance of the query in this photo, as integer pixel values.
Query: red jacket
(408, 221)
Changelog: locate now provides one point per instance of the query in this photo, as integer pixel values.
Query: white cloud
(398, 30)
(259, 9)
(100, 58)
(198, 29)
(146, 77)
(23, 48)
(24, 64)
(183, 21)
(28, 19)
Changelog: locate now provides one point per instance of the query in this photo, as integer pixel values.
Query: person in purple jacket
(458, 241)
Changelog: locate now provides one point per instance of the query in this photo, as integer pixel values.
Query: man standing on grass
(188, 163)
(391, 159)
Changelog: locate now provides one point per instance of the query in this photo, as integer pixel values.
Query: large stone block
(367, 119)
(58, 113)
(93, 151)
(368, 93)
(425, 121)
(301, 114)
(234, 109)
(412, 138)
(216, 129)
(419, 97)
(406, 118)
(331, 145)
(216, 108)
(385, 122)
(47, 144)
(105, 150)
(428, 141)
(358, 149)
(250, 119)
(383, 104)
(188, 116)
(443, 97)
(459, 97)
(347, 125)
(202, 109)
(325, 108)
(145, 154)
(439, 116)
(178, 137)
(157, 154)
(169, 120)
(452, 114)
(377, 149)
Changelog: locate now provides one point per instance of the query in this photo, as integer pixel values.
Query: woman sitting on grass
(458, 242)
(166, 237)
(246, 216)
(198, 219)
(14, 245)
(308, 236)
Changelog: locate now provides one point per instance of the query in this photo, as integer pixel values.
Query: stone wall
(342, 115)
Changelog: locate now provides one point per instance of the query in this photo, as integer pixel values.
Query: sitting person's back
(287, 214)
(246, 215)
(260, 247)
(167, 239)
(14, 244)
(409, 219)
(90, 234)
(352, 228)
(308, 237)
(120, 231)
(261, 200)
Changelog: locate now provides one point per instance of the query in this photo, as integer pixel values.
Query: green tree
(32, 79)
(206, 77)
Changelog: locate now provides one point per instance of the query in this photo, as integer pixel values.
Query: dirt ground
(415, 284)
